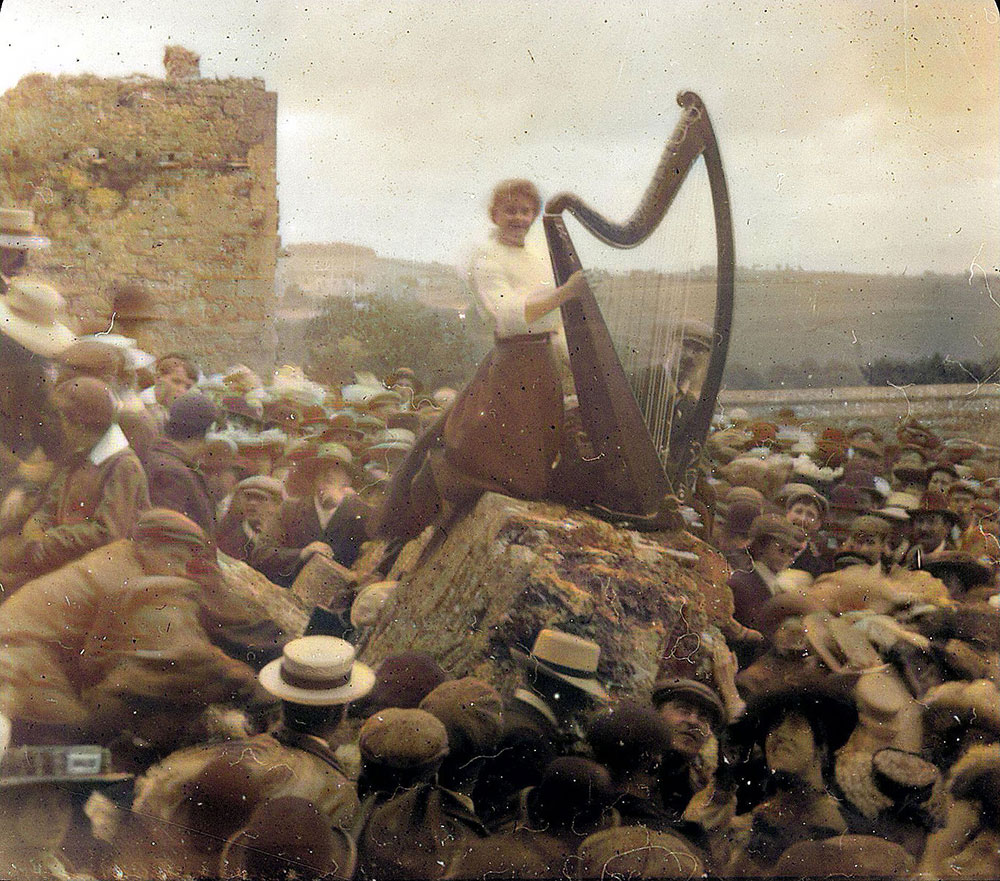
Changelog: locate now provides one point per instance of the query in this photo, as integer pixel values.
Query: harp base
(667, 518)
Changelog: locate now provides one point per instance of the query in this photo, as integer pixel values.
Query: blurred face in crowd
(806, 515)
(790, 746)
(12, 261)
(514, 215)
(332, 486)
(940, 482)
(866, 543)
(77, 438)
(929, 530)
(258, 507)
(777, 554)
(689, 723)
(960, 501)
(172, 381)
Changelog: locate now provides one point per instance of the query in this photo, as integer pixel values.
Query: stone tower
(167, 185)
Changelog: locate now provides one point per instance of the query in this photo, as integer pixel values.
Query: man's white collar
(111, 442)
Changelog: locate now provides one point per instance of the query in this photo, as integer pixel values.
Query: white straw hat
(18, 230)
(572, 659)
(317, 671)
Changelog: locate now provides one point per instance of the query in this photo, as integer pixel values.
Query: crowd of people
(864, 739)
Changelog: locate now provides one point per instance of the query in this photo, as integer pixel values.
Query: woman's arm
(544, 300)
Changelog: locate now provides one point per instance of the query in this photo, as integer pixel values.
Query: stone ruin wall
(168, 184)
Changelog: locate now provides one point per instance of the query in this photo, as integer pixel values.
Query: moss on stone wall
(169, 182)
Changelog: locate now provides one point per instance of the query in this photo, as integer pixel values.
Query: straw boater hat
(572, 659)
(29, 315)
(18, 230)
(317, 671)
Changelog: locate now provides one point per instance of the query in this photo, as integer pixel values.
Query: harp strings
(644, 308)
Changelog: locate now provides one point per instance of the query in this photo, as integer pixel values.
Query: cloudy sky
(855, 135)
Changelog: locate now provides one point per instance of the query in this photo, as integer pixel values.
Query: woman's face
(790, 745)
(514, 215)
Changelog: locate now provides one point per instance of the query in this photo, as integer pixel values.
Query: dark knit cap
(191, 415)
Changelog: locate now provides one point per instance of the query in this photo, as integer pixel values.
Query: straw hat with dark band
(564, 656)
(317, 671)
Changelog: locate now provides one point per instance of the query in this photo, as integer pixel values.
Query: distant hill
(782, 317)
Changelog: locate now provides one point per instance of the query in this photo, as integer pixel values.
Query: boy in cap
(774, 543)
(97, 492)
(805, 508)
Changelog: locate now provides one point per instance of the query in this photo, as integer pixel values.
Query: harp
(648, 448)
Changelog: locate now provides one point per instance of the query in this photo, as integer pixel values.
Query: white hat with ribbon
(317, 671)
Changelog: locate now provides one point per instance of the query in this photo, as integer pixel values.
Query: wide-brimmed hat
(705, 696)
(317, 671)
(569, 658)
(133, 302)
(826, 700)
(29, 315)
(969, 570)
(18, 230)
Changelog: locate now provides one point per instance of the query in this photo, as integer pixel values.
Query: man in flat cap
(97, 492)
(324, 516)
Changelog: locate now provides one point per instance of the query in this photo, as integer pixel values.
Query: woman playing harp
(504, 432)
